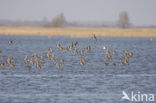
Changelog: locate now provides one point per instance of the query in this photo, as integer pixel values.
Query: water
(94, 83)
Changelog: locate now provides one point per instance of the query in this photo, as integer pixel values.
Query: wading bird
(82, 52)
(11, 42)
(89, 48)
(62, 61)
(82, 61)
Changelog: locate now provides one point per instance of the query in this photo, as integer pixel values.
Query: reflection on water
(72, 83)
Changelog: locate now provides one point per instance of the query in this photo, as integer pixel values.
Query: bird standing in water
(82, 61)
(89, 48)
(11, 42)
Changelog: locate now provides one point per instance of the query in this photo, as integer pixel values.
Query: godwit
(2, 65)
(109, 57)
(39, 66)
(82, 52)
(28, 67)
(53, 58)
(89, 48)
(114, 52)
(9, 61)
(75, 44)
(76, 51)
(122, 63)
(32, 61)
(114, 65)
(42, 59)
(82, 61)
(11, 42)
(106, 64)
(107, 51)
(36, 55)
(12, 65)
(51, 49)
(58, 65)
(48, 55)
(62, 61)
(26, 59)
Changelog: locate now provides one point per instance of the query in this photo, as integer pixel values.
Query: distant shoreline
(79, 32)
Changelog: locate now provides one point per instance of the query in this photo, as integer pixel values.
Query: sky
(141, 12)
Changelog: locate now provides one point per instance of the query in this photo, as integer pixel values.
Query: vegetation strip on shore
(78, 31)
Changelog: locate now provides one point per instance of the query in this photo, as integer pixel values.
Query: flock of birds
(39, 60)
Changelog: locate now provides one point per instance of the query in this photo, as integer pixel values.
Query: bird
(9, 61)
(28, 67)
(104, 47)
(53, 58)
(107, 51)
(37, 61)
(51, 49)
(76, 51)
(42, 59)
(114, 65)
(82, 52)
(106, 64)
(36, 55)
(130, 54)
(12, 65)
(127, 61)
(89, 48)
(31, 61)
(67, 49)
(58, 65)
(2, 65)
(39, 66)
(11, 42)
(114, 52)
(109, 57)
(26, 59)
(62, 61)
(75, 44)
(82, 61)
(48, 55)
(122, 63)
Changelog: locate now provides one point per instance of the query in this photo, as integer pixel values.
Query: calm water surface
(94, 83)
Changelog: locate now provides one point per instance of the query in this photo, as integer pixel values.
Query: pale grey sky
(141, 12)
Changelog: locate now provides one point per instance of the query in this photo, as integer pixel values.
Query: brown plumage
(76, 51)
(53, 58)
(82, 52)
(62, 61)
(82, 61)
(89, 48)
(114, 65)
(11, 42)
(106, 64)
(48, 55)
(109, 57)
(26, 59)
(58, 65)
(2, 65)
